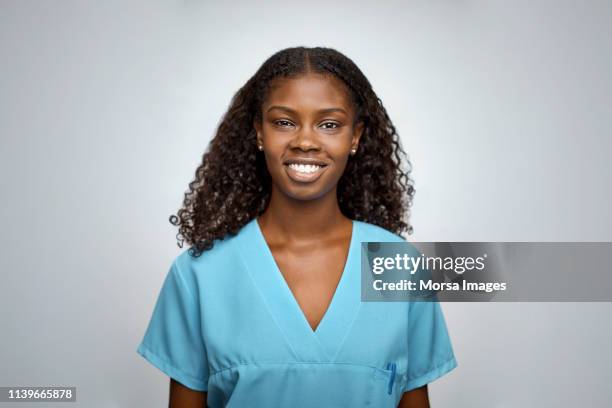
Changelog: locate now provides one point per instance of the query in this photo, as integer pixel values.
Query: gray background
(503, 106)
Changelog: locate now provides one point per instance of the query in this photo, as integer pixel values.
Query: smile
(304, 173)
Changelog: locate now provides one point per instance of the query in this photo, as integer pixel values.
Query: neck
(293, 219)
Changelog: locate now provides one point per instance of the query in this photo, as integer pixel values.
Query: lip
(305, 160)
(303, 177)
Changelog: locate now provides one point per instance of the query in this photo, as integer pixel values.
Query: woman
(263, 309)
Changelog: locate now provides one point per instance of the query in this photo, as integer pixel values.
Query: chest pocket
(304, 385)
(386, 386)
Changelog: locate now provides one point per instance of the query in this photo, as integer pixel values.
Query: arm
(416, 398)
(183, 397)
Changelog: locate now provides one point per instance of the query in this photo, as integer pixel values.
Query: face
(307, 134)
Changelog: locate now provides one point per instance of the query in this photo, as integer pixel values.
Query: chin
(304, 192)
(302, 195)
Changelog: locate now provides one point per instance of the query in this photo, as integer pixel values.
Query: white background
(503, 107)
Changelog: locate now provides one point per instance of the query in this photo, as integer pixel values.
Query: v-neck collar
(324, 342)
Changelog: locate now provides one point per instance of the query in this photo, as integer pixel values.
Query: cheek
(340, 153)
(273, 157)
(275, 144)
(273, 163)
(340, 164)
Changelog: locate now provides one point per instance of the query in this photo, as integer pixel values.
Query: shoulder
(375, 233)
(219, 257)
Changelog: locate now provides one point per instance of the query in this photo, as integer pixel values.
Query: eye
(334, 125)
(282, 123)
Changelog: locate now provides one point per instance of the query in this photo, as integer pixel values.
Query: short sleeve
(173, 340)
(430, 354)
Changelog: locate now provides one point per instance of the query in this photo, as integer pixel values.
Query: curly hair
(232, 184)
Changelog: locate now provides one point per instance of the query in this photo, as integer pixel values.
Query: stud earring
(260, 147)
(353, 151)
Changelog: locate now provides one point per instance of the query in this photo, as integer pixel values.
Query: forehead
(308, 90)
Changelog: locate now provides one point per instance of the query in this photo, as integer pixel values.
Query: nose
(305, 139)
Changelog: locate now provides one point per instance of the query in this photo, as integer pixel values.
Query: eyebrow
(326, 110)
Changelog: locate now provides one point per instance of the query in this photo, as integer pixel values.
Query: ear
(357, 132)
(257, 127)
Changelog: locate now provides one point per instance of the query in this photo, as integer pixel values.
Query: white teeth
(305, 168)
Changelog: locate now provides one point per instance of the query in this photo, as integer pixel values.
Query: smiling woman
(263, 309)
(309, 127)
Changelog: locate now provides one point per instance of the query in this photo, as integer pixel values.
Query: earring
(260, 147)
(353, 151)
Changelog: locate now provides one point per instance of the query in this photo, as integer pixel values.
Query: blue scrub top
(227, 323)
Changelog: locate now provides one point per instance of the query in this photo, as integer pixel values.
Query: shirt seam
(195, 301)
(348, 331)
(181, 281)
(163, 358)
(273, 362)
(357, 242)
(264, 301)
(434, 368)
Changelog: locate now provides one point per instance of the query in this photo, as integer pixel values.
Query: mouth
(304, 173)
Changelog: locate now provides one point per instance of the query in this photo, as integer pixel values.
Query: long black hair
(232, 184)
